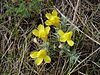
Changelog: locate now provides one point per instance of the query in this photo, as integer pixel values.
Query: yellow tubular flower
(40, 56)
(66, 37)
(53, 19)
(41, 32)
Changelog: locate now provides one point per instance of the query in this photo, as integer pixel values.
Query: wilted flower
(40, 56)
(66, 37)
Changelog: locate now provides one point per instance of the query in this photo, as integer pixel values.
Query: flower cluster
(42, 32)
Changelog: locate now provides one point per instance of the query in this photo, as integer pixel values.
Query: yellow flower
(53, 19)
(40, 56)
(41, 32)
(66, 37)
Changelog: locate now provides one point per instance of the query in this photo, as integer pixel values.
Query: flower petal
(54, 13)
(70, 42)
(47, 29)
(40, 27)
(68, 35)
(33, 54)
(60, 32)
(48, 22)
(48, 15)
(47, 59)
(35, 32)
(63, 39)
(38, 61)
